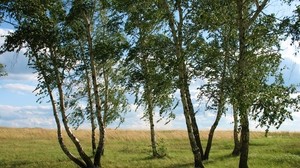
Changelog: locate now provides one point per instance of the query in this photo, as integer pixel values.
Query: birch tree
(43, 29)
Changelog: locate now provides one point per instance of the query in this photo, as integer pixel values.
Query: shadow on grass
(152, 158)
(18, 163)
(258, 144)
(180, 165)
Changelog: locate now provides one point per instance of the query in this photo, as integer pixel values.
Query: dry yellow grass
(36, 147)
(132, 135)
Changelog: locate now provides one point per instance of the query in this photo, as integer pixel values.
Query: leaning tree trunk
(59, 83)
(176, 31)
(212, 130)
(100, 148)
(221, 106)
(189, 114)
(193, 118)
(56, 117)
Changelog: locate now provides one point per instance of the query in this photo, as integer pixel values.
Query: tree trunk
(149, 101)
(244, 144)
(189, 114)
(242, 82)
(151, 120)
(91, 109)
(99, 150)
(152, 131)
(193, 143)
(221, 106)
(193, 118)
(59, 83)
(188, 109)
(211, 135)
(57, 121)
(237, 145)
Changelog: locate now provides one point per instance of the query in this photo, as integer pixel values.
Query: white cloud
(26, 116)
(24, 77)
(288, 52)
(18, 87)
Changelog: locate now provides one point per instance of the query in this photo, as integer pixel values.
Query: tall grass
(34, 147)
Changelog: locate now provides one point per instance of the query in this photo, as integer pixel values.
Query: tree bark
(244, 144)
(149, 100)
(57, 121)
(242, 100)
(99, 150)
(221, 108)
(188, 109)
(152, 131)
(237, 145)
(211, 134)
(59, 83)
(90, 103)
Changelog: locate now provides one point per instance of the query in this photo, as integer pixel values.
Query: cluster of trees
(90, 54)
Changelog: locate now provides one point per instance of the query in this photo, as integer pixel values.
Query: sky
(18, 106)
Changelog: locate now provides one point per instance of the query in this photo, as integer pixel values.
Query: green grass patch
(26, 148)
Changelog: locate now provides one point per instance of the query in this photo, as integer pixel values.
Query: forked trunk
(57, 121)
(176, 30)
(193, 119)
(99, 150)
(59, 82)
(190, 117)
(195, 149)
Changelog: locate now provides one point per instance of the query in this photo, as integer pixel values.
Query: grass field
(129, 149)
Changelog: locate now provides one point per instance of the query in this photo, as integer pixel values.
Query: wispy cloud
(289, 52)
(24, 77)
(26, 116)
(18, 87)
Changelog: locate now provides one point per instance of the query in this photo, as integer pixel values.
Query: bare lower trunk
(244, 144)
(152, 131)
(177, 34)
(91, 109)
(221, 104)
(193, 143)
(211, 135)
(237, 145)
(190, 118)
(59, 83)
(153, 137)
(194, 122)
(57, 121)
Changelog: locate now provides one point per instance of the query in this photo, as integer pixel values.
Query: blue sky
(18, 107)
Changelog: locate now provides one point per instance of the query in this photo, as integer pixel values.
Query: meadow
(35, 147)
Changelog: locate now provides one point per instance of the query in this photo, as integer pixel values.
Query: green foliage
(162, 150)
(291, 25)
(275, 103)
(2, 72)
